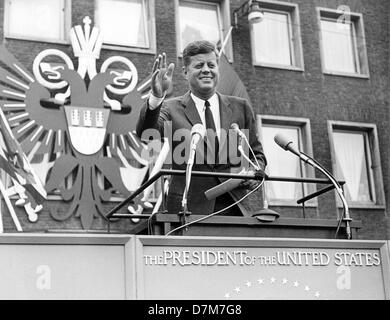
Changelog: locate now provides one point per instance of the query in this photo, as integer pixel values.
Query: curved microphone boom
(236, 128)
(242, 136)
(288, 145)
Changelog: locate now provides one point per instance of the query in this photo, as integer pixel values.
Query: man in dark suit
(217, 112)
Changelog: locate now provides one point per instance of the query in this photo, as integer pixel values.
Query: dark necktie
(212, 138)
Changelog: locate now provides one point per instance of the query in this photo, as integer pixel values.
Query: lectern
(161, 223)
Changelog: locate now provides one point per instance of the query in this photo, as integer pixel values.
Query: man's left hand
(251, 184)
(161, 76)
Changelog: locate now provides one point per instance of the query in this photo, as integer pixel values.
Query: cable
(321, 29)
(252, 152)
(218, 212)
(256, 166)
(254, 156)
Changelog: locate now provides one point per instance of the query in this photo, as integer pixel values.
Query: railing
(113, 213)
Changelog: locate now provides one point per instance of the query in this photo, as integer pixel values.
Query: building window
(276, 40)
(201, 20)
(285, 164)
(356, 160)
(127, 23)
(41, 20)
(343, 47)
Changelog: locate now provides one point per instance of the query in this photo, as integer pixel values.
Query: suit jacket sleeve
(152, 119)
(253, 137)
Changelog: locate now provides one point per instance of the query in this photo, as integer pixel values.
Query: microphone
(236, 128)
(198, 132)
(229, 184)
(232, 183)
(288, 145)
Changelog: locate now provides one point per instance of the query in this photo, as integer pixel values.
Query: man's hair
(197, 47)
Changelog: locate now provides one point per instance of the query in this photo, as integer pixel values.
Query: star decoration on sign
(273, 282)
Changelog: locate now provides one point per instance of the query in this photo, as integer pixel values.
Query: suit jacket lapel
(193, 117)
(224, 110)
(190, 109)
(226, 114)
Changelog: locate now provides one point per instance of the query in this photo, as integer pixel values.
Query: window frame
(303, 124)
(359, 41)
(223, 12)
(150, 24)
(294, 30)
(373, 161)
(66, 26)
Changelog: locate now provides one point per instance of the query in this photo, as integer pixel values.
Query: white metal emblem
(87, 128)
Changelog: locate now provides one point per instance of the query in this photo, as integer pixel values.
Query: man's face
(202, 74)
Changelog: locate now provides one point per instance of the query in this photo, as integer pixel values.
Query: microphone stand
(241, 149)
(184, 206)
(265, 214)
(345, 217)
(185, 212)
(197, 133)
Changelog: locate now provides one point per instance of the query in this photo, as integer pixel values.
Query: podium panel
(74, 266)
(41, 266)
(260, 268)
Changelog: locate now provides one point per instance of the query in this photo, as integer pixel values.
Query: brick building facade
(303, 93)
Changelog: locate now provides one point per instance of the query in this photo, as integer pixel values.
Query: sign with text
(88, 266)
(221, 268)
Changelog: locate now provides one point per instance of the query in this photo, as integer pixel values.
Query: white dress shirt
(214, 107)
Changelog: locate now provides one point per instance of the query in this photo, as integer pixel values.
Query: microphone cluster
(231, 184)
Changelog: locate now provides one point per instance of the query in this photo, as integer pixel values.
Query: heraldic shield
(87, 128)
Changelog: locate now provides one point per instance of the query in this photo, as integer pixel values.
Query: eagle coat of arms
(75, 126)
